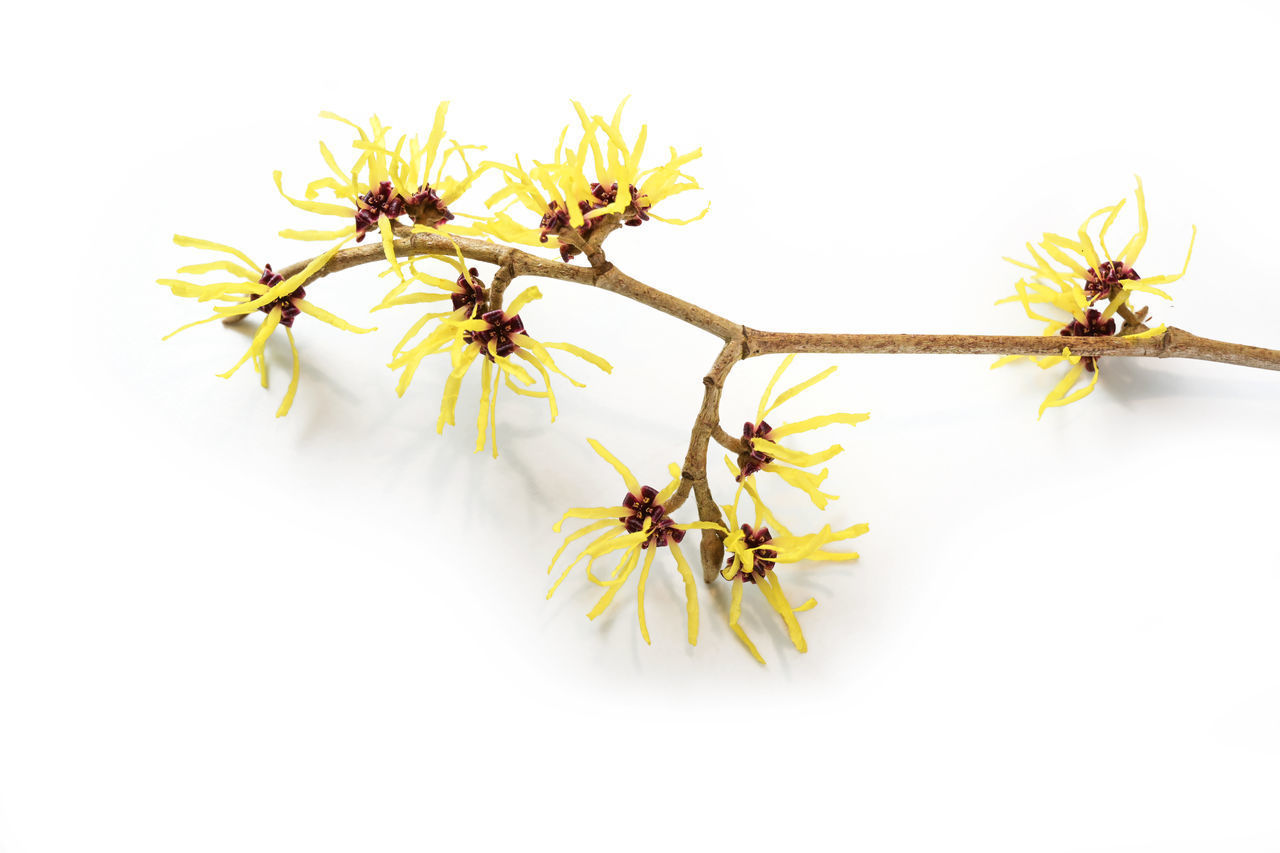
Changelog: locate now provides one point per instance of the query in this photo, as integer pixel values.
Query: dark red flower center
(764, 557)
(644, 507)
(556, 219)
(473, 295)
(501, 330)
(751, 460)
(423, 207)
(288, 311)
(1092, 326)
(1105, 280)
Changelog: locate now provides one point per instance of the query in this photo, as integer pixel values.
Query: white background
(220, 631)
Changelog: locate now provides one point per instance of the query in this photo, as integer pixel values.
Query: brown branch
(1174, 343)
(694, 474)
(605, 277)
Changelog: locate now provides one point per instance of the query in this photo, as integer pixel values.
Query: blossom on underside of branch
(573, 193)
(635, 528)
(253, 289)
(1069, 277)
(764, 451)
(496, 339)
(754, 551)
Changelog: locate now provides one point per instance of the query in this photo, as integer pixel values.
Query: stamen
(662, 530)
(753, 538)
(1092, 327)
(501, 330)
(288, 311)
(1105, 280)
(556, 219)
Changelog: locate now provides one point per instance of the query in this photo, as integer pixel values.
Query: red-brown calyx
(556, 220)
(501, 330)
(754, 538)
(1105, 281)
(473, 294)
(288, 310)
(1092, 326)
(751, 460)
(424, 207)
(662, 530)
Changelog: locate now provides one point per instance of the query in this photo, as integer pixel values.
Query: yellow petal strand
(284, 288)
(763, 513)
(189, 325)
(1106, 226)
(1129, 254)
(644, 579)
(324, 316)
(1008, 359)
(796, 389)
(197, 243)
(577, 534)
(1082, 392)
(623, 572)
(690, 591)
(259, 342)
(221, 266)
(735, 612)
(773, 592)
(664, 495)
(795, 457)
(768, 389)
(607, 521)
(526, 296)
(453, 386)
(1055, 396)
(312, 206)
(633, 485)
(805, 481)
(482, 420)
(668, 221)
(389, 245)
(287, 402)
(434, 139)
(1150, 333)
(816, 423)
(581, 353)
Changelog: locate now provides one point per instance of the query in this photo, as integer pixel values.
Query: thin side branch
(694, 473)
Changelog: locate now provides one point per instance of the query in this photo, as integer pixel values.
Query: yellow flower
(755, 550)
(1070, 277)
(601, 177)
(764, 453)
(500, 337)
(388, 182)
(638, 526)
(247, 293)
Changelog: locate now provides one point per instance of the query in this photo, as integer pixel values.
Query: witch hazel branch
(454, 232)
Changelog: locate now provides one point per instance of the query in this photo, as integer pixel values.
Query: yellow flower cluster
(392, 177)
(600, 177)
(754, 550)
(496, 338)
(254, 288)
(1071, 276)
(637, 527)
